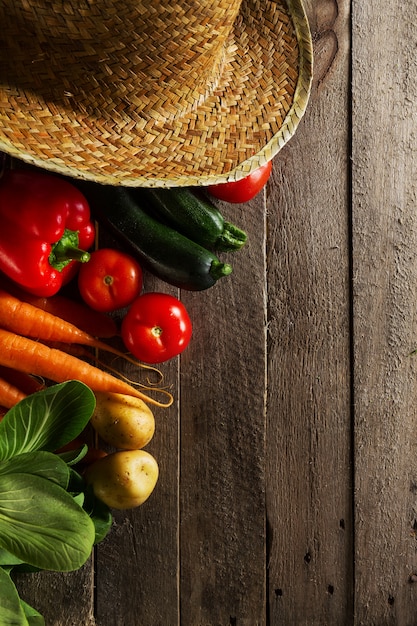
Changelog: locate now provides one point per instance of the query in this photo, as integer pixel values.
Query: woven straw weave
(152, 92)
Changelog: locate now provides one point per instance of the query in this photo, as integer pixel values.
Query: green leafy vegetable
(43, 464)
(8, 560)
(42, 524)
(72, 457)
(34, 618)
(99, 513)
(46, 420)
(12, 611)
(48, 520)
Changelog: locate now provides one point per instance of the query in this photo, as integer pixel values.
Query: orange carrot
(27, 320)
(25, 382)
(36, 358)
(93, 322)
(74, 349)
(9, 394)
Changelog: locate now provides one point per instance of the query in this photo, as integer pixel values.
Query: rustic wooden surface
(288, 486)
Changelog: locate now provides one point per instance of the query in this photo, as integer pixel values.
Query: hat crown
(152, 57)
(152, 92)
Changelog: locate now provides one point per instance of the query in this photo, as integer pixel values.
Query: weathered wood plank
(384, 279)
(222, 398)
(62, 599)
(309, 486)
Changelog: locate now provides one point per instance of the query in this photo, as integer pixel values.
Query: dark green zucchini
(192, 215)
(164, 251)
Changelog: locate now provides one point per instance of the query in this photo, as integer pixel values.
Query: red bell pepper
(45, 230)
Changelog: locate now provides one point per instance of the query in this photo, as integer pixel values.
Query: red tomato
(110, 280)
(156, 327)
(245, 189)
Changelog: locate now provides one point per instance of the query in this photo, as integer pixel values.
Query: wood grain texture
(63, 599)
(384, 280)
(222, 395)
(309, 471)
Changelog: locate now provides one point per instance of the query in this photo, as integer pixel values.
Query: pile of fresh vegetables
(56, 397)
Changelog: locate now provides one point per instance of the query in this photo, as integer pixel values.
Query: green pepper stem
(66, 250)
(71, 253)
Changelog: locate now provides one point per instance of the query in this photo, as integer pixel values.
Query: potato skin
(122, 421)
(123, 479)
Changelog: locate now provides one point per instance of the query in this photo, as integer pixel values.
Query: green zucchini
(166, 253)
(193, 215)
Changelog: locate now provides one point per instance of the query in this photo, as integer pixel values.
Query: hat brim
(251, 114)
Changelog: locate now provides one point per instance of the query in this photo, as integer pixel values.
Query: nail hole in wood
(330, 589)
(342, 524)
(307, 557)
(233, 621)
(391, 600)
(278, 592)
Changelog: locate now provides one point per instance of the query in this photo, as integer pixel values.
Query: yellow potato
(123, 479)
(122, 421)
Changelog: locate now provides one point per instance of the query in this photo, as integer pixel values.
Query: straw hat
(152, 92)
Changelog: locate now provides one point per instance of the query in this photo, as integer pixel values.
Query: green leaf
(34, 618)
(41, 524)
(8, 560)
(76, 482)
(100, 514)
(25, 568)
(46, 420)
(72, 457)
(44, 464)
(11, 610)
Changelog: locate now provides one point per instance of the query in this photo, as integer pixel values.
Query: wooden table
(288, 486)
